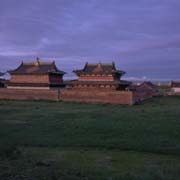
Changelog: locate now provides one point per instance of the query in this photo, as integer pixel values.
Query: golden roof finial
(37, 63)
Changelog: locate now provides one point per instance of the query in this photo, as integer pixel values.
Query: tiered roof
(37, 67)
(99, 69)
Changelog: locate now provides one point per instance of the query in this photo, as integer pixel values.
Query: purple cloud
(141, 36)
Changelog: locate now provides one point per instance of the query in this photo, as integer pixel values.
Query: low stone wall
(27, 94)
(74, 95)
(113, 97)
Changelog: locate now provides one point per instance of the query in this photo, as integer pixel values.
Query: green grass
(90, 141)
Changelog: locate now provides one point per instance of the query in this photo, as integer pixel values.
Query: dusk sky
(141, 36)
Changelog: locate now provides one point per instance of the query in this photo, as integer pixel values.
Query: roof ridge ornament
(98, 68)
(37, 63)
(98, 65)
(85, 66)
(113, 65)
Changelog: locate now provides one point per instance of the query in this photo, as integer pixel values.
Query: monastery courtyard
(61, 140)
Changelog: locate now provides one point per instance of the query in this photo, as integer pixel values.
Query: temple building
(36, 75)
(99, 76)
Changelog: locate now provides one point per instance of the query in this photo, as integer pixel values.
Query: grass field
(56, 140)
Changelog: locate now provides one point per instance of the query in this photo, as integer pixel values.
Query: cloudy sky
(141, 36)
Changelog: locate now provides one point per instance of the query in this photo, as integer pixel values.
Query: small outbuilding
(145, 90)
(175, 86)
